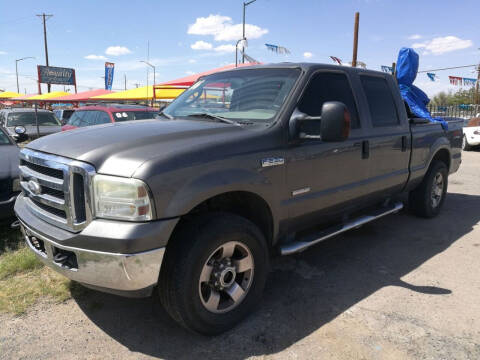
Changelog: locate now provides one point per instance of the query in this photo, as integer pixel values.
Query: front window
(134, 115)
(4, 138)
(28, 119)
(244, 96)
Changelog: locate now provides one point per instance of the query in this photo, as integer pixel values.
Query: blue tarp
(417, 100)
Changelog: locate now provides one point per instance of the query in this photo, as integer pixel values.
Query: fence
(461, 111)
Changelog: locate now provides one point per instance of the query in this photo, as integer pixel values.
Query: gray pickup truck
(244, 165)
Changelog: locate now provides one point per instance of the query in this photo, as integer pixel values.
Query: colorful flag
(455, 80)
(109, 68)
(469, 81)
(277, 49)
(387, 69)
(432, 76)
(336, 59)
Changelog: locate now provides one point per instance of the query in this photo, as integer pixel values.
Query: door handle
(365, 149)
(404, 143)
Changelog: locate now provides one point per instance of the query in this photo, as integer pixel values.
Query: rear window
(134, 115)
(380, 101)
(28, 118)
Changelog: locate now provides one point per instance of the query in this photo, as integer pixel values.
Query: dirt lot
(400, 288)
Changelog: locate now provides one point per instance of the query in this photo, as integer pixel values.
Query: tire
(199, 246)
(428, 198)
(465, 145)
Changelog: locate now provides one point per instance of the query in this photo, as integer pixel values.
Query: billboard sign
(56, 75)
(109, 68)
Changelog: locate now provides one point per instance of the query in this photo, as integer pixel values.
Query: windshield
(28, 118)
(249, 96)
(134, 115)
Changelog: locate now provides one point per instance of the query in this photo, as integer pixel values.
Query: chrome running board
(298, 246)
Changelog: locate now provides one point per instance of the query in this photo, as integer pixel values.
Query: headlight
(16, 185)
(121, 198)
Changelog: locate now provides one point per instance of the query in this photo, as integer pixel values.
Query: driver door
(326, 176)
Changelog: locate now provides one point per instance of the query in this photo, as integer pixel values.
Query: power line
(448, 68)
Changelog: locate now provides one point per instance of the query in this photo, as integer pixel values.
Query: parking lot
(399, 288)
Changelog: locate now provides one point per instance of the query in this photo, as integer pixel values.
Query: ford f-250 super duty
(244, 164)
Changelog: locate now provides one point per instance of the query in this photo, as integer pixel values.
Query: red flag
(336, 59)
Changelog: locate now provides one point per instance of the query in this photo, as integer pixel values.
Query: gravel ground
(399, 288)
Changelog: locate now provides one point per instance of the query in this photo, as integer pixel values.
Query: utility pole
(477, 93)
(45, 17)
(355, 39)
(245, 4)
(125, 80)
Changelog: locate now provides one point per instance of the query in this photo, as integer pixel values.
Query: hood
(120, 148)
(9, 161)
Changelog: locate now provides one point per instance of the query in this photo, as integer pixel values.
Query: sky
(185, 37)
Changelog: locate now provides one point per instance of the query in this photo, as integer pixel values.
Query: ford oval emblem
(34, 187)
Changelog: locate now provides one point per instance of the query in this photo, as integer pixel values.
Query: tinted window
(83, 118)
(28, 118)
(133, 115)
(102, 118)
(329, 87)
(4, 138)
(380, 101)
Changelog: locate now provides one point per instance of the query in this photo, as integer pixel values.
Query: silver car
(47, 122)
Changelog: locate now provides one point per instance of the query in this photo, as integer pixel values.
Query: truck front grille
(57, 189)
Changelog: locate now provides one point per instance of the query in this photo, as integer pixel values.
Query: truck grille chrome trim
(54, 186)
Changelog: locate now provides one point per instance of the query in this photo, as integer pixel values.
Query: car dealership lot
(402, 287)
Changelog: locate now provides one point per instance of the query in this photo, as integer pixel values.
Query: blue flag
(431, 76)
(109, 67)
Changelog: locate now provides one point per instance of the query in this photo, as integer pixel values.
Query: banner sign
(55, 75)
(109, 68)
(387, 69)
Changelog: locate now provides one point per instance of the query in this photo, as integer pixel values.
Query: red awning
(81, 96)
(189, 80)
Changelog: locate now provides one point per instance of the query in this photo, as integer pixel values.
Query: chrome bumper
(110, 272)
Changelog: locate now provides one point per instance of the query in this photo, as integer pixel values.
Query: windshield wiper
(215, 117)
(168, 116)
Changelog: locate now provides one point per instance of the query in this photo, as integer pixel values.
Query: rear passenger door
(388, 142)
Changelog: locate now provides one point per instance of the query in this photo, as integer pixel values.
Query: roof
(47, 96)
(24, 110)
(142, 93)
(81, 96)
(9, 94)
(189, 80)
(116, 107)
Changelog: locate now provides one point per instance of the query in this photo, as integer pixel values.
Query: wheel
(427, 199)
(214, 272)
(465, 145)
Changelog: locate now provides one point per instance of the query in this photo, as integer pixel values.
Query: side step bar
(298, 246)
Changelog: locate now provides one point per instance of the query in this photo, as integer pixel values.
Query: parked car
(9, 173)
(471, 134)
(108, 113)
(63, 114)
(194, 206)
(47, 122)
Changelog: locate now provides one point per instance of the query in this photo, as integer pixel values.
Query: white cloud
(415, 37)
(227, 48)
(95, 57)
(3, 52)
(201, 45)
(223, 29)
(307, 55)
(189, 72)
(117, 50)
(192, 61)
(441, 45)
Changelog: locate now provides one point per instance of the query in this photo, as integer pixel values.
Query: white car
(471, 133)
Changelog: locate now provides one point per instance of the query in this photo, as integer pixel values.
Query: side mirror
(303, 126)
(20, 134)
(335, 125)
